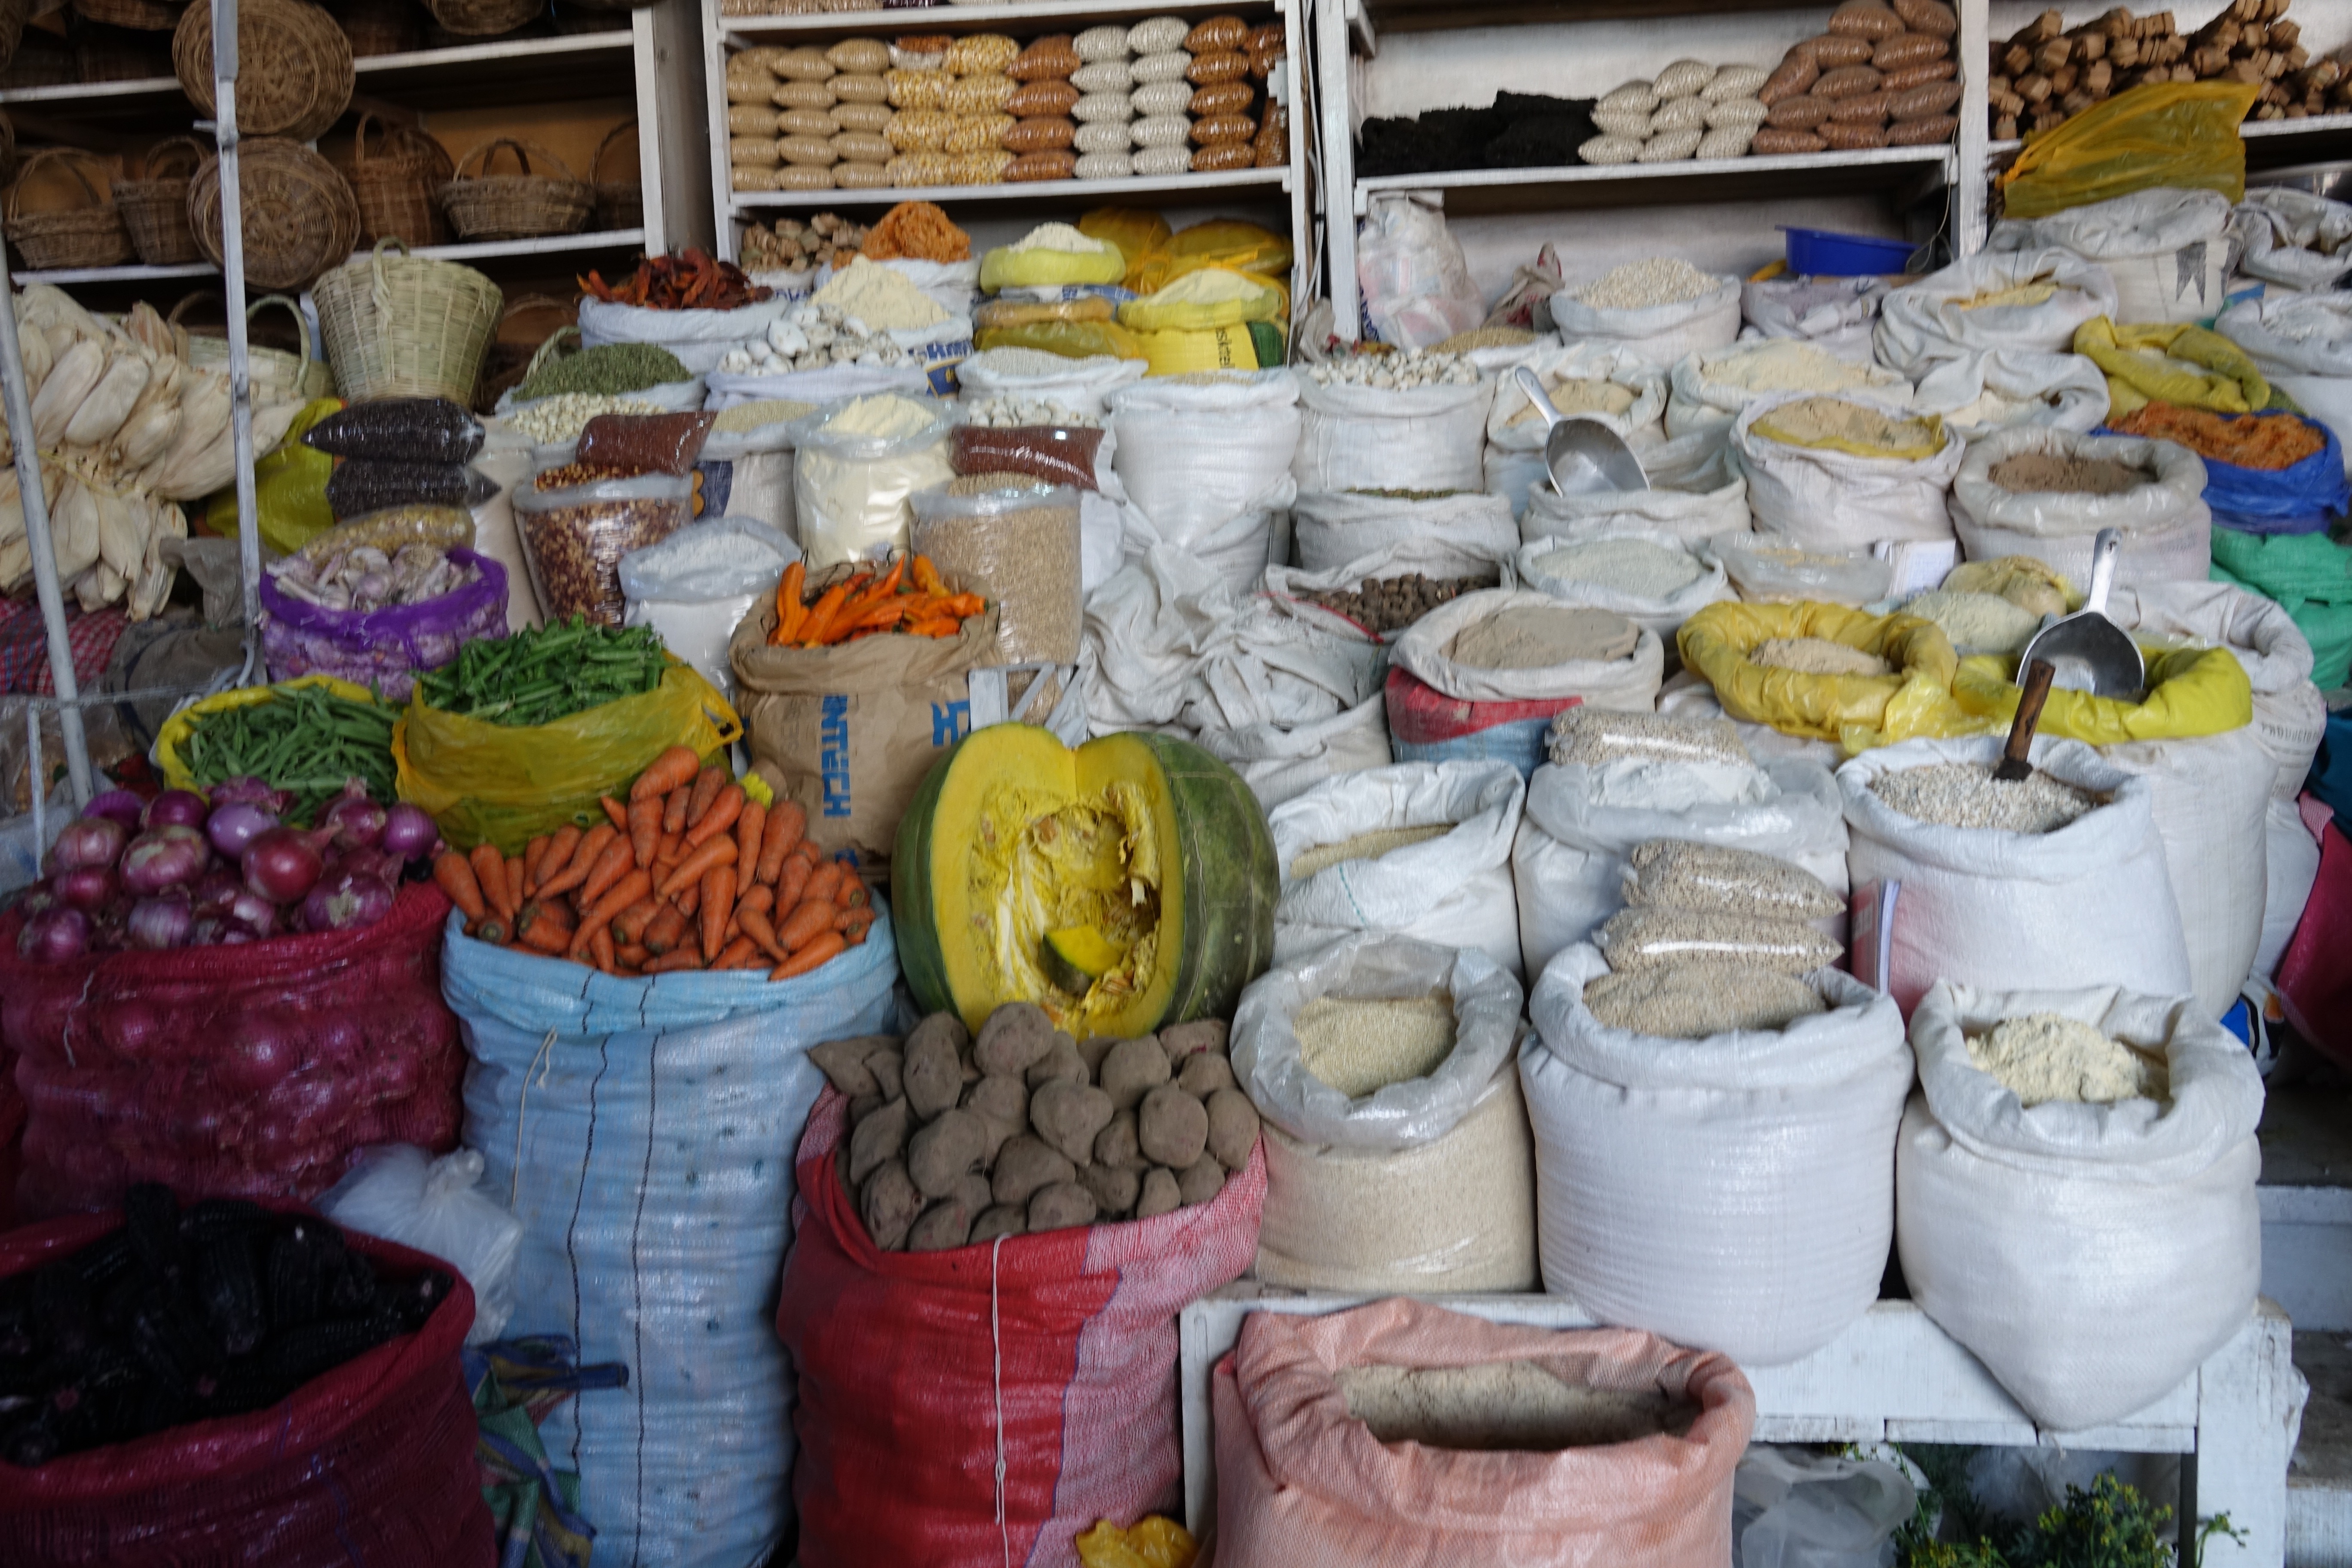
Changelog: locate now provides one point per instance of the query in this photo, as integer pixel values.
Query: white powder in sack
(1633, 566)
(2043, 1057)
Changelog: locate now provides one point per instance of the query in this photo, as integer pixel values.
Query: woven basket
(40, 60)
(145, 15)
(380, 27)
(515, 207)
(405, 326)
(485, 18)
(620, 203)
(300, 217)
(507, 365)
(278, 377)
(155, 207)
(90, 235)
(294, 67)
(395, 184)
(12, 14)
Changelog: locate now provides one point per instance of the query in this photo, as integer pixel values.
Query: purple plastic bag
(383, 648)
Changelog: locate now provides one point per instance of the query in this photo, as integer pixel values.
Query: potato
(1158, 1194)
(1001, 1102)
(1185, 1039)
(1133, 1069)
(1025, 1164)
(974, 1193)
(1115, 1144)
(943, 1153)
(933, 1074)
(1060, 1206)
(886, 1067)
(1114, 1190)
(999, 1219)
(1232, 1127)
(1061, 1065)
(878, 1138)
(1171, 1128)
(1204, 1073)
(842, 1062)
(1204, 1180)
(1069, 1115)
(1015, 1039)
(864, 1106)
(890, 1204)
(945, 1224)
(1092, 1048)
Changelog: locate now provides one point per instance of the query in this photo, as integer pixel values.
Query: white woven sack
(2302, 342)
(1391, 439)
(1927, 322)
(1195, 454)
(1280, 760)
(1980, 394)
(2090, 902)
(1434, 558)
(1513, 424)
(1697, 492)
(1453, 890)
(700, 339)
(2167, 248)
(1661, 612)
(828, 385)
(1837, 313)
(1630, 684)
(1662, 334)
(2165, 526)
(2290, 714)
(2091, 1256)
(2291, 859)
(668, 398)
(1735, 1192)
(1568, 862)
(1330, 529)
(1707, 396)
(2292, 238)
(2208, 797)
(954, 286)
(1237, 547)
(1080, 385)
(1829, 501)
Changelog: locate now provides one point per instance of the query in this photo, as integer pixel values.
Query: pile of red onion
(183, 870)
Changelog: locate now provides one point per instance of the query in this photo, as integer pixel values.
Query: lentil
(1817, 656)
(2046, 1056)
(1691, 1001)
(1514, 1405)
(1360, 1048)
(1643, 938)
(1595, 736)
(1674, 874)
(1637, 285)
(611, 370)
(1966, 795)
(1364, 847)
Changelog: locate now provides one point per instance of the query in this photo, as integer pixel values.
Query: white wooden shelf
(1038, 15)
(479, 250)
(1037, 190)
(1757, 176)
(126, 274)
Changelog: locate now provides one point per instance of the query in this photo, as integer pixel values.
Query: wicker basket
(515, 207)
(507, 365)
(41, 60)
(155, 206)
(12, 14)
(620, 203)
(380, 27)
(294, 76)
(300, 217)
(90, 235)
(145, 15)
(485, 18)
(278, 377)
(395, 184)
(404, 326)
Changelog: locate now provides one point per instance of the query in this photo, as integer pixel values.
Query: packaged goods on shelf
(2047, 73)
(2038, 511)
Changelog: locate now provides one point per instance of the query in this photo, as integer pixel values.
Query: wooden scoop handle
(2013, 763)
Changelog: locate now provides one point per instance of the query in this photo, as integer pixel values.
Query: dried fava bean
(1866, 19)
(1671, 146)
(552, 421)
(1742, 113)
(1930, 16)
(1045, 134)
(1102, 44)
(1926, 133)
(1158, 98)
(1225, 98)
(1225, 158)
(1050, 59)
(1735, 82)
(1160, 67)
(1909, 50)
(1921, 75)
(1798, 114)
(1831, 50)
(1864, 109)
(1683, 79)
(1037, 99)
(863, 147)
(1217, 35)
(1922, 102)
(1208, 70)
(1726, 141)
(1155, 162)
(979, 133)
(1221, 131)
(860, 57)
(1104, 76)
(1848, 81)
(1157, 36)
(1162, 131)
(1794, 79)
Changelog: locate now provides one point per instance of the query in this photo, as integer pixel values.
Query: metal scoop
(2086, 651)
(1584, 455)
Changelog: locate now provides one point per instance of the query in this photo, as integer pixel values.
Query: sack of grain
(2091, 900)
(1438, 560)
(1379, 438)
(2290, 714)
(1331, 528)
(1696, 491)
(2302, 342)
(700, 339)
(2291, 864)
(1492, 1444)
(1763, 571)
(1659, 310)
(1998, 389)
(1654, 580)
(2090, 1255)
(2166, 249)
(1712, 389)
(1733, 1192)
(1080, 385)
(725, 391)
(2291, 238)
(1236, 549)
(2162, 517)
(1397, 1149)
(1835, 313)
(1599, 380)
(1825, 498)
(1993, 300)
(1418, 849)
(1281, 761)
(1568, 862)
(1196, 451)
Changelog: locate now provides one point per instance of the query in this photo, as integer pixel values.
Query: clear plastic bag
(573, 538)
(1416, 283)
(443, 527)
(363, 485)
(402, 429)
(696, 585)
(1058, 455)
(850, 491)
(648, 443)
(1018, 549)
(1790, 1508)
(400, 1192)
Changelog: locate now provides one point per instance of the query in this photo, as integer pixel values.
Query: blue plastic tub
(1819, 252)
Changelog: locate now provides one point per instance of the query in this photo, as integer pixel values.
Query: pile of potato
(956, 1140)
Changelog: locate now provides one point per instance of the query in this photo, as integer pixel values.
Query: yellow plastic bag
(1005, 268)
(1220, 242)
(1136, 233)
(1074, 340)
(290, 489)
(482, 781)
(2191, 691)
(1154, 1543)
(1858, 711)
(175, 732)
(1183, 353)
(1204, 300)
(2198, 369)
(2024, 580)
(2165, 134)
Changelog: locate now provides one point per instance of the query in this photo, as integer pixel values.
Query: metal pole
(18, 407)
(240, 380)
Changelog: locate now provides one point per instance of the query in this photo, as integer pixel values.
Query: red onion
(175, 808)
(246, 790)
(233, 826)
(164, 857)
(282, 865)
(346, 903)
(211, 892)
(119, 805)
(384, 866)
(87, 841)
(408, 832)
(55, 936)
(261, 1051)
(159, 923)
(251, 913)
(85, 887)
(358, 821)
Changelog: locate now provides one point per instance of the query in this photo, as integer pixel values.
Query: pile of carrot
(910, 597)
(688, 873)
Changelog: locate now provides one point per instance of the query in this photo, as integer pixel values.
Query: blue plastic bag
(2302, 498)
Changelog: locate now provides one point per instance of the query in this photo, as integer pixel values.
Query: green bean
(535, 677)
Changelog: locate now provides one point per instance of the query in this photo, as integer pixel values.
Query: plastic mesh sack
(383, 648)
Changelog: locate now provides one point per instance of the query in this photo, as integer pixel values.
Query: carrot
(760, 928)
(786, 822)
(749, 828)
(560, 850)
(600, 948)
(674, 809)
(824, 883)
(689, 899)
(718, 908)
(584, 861)
(672, 768)
(849, 920)
(790, 611)
(623, 893)
(455, 877)
(613, 865)
(552, 911)
(815, 955)
(534, 928)
(806, 923)
(490, 871)
(669, 963)
(630, 924)
(514, 879)
(672, 845)
(853, 894)
(718, 852)
(755, 897)
(534, 856)
(741, 953)
(719, 818)
(645, 831)
(494, 932)
(668, 925)
(630, 957)
(707, 786)
(791, 884)
(614, 812)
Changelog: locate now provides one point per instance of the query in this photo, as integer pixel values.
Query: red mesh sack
(369, 1465)
(251, 1071)
(918, 1369)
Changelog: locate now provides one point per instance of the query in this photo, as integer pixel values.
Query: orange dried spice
(2248, 440)
(911, 598)
(916, 231)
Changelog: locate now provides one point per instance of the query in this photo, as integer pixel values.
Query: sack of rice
(1843, 472)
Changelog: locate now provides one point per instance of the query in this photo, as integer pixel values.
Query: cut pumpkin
(1121, 886)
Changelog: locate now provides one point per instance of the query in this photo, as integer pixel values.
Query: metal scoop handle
(2103, 550)
(1532, 384)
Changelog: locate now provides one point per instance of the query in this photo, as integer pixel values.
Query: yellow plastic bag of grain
(2191, 691)
(2171, 361)
(1072, 339)
(2182, 134)
(1204, 300)
(1052, 254)
(175, 732)
(1858, 711)
(290, 489)
(1136, 233)
(1220, 242)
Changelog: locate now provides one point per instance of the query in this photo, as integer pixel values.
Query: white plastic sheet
(400, 1192)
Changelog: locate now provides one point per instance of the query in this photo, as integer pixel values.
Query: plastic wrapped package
(1056, 454)
(1018, 549)
(644, 442)
(850, 489)
(573, 538)
(696, 584)
(381, 648)
(402, 429)
(363, 485)
(1416, 283)
(2179, 134)
(442, 527)
(749, 474)
(399, 1192)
